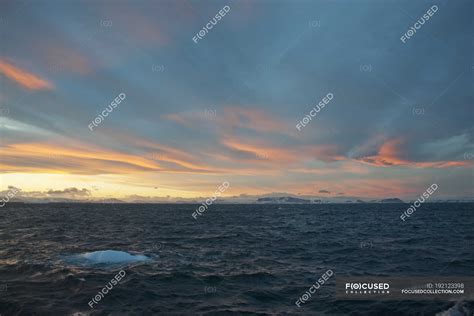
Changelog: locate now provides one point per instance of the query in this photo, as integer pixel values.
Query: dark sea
(232, 260)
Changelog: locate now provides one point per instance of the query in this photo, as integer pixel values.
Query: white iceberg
(112, 256)
(106, 257)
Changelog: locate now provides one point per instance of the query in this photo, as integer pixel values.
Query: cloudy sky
(226, 108)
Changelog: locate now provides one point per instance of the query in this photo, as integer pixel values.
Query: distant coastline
(285, 200)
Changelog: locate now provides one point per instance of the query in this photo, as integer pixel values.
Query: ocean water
(233, 260)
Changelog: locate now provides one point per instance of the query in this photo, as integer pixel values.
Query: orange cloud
(23, 78)
(162, 153)
(341, 167)
(389, 155)
(185, 162)
(49, 158)
(230, 118)
(252, 118)
(83, 158)
(258, 151)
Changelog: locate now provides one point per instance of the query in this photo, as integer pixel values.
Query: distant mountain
(451, 201)
(282, 200)
(271, 198)
(112, 200)
(391, 200)
(187, 202)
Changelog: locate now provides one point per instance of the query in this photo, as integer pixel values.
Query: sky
(226, 107)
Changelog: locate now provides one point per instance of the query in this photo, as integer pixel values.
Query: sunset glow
(196, 115)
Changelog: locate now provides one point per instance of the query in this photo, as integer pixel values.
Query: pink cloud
(24, 78)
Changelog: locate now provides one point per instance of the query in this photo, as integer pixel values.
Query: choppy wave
(235, 260)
